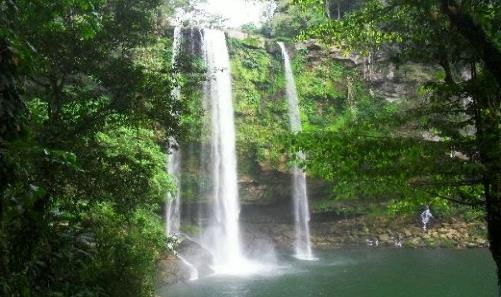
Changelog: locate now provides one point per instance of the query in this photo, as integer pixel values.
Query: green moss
(322, 88)
(448, 243)
(261, 111)
(253, 42)
(192, 74)
(191, 229)
(430, 242)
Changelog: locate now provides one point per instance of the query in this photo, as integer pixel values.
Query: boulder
(170, 271)
(197, 255)
(385, 238)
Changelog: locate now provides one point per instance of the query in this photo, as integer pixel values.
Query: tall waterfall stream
(223, 234)
(173, 207)
(299, 191)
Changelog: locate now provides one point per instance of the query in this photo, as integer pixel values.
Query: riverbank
(376, 231)
(356, 232)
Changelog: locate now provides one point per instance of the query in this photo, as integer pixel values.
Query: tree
(454, 35)
(85, 89)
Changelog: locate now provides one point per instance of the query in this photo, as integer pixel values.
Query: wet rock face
(171, 271)
(280, 236)
(384, 77)
(378, 232)
(197, 256)
(250, 40)
(264, 186)
(260, 239)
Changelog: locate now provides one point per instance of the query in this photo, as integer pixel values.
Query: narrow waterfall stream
(222, 236)
(300, 196)
(173, 207)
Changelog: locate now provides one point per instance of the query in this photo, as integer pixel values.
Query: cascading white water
(176, 47)
(173, 207)
(222, 236)
(300, 195)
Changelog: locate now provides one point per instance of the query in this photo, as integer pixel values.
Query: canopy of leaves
(90, 81)
(425, 148)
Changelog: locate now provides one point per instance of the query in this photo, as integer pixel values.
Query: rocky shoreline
(356, 232)
(344, 233)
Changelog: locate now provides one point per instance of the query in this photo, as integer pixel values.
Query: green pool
(359, 273)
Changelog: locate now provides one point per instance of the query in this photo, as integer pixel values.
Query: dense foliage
(444, 143)
(258, 84)
(85, 112)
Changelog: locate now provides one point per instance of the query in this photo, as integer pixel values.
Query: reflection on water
(360, 273)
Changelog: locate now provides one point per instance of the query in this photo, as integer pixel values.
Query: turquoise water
(360, 273)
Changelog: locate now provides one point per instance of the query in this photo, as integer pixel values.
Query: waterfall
(222, 236)
(205, 137)
(302, 243)
(219, 186)
(173, 207)
(176, 47)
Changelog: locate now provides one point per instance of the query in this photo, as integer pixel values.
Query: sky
(238, 12)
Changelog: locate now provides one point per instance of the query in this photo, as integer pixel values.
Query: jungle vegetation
(378, 148)
(86, 116)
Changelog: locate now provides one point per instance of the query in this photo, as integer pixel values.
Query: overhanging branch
(471, 31)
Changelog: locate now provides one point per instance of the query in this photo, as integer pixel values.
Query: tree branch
(470, 30)
(455, 200)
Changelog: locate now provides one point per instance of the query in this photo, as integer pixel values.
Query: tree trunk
(493, 205)
(11, 110)
(327, 7)
(471, 31)
(487, 117)
(487, 122)
(492, 186)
